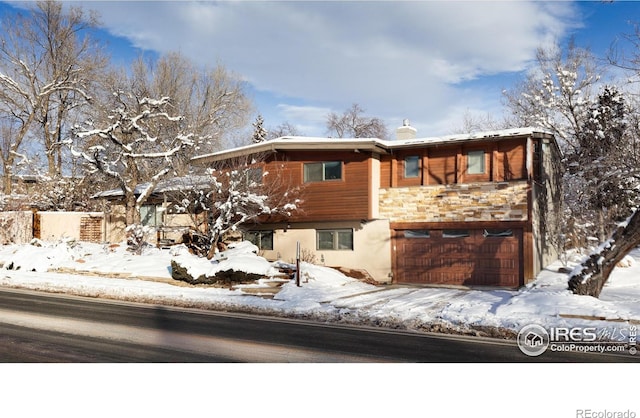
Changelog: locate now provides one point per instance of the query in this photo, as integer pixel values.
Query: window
(254, 176)
(261, 239)
(339, 239)
(455, 233)
(475, 162)
(325, 171)
(151, 215)
(417, 233)
(498, 233)
(412, 166)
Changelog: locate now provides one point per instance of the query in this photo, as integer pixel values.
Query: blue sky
(429, 61)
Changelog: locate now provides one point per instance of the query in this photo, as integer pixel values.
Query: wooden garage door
(475, 257)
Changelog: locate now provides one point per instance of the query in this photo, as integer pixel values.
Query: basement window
(417, 233)
(324, 171)
(455, 233)
(337, 239)
(261, 239)
(495, 233)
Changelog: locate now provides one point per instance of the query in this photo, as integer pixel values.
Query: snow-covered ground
(283, 391)
(110, 271)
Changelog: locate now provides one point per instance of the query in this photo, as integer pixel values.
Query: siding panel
(344, 199)
(442, 166)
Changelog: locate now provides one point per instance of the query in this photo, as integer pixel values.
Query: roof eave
(285, 144)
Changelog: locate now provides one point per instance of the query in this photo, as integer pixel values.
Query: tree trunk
(132, 216)
(7, 184)
(589, 278)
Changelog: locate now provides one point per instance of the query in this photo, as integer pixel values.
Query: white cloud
(396, 59)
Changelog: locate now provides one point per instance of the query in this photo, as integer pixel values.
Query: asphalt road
(42, 327)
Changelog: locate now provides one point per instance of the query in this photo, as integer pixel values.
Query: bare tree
(212, 101)
(47, 64)
(284, 129)
(135, 141)
(477, 123)
(352, 123)
(556, 96)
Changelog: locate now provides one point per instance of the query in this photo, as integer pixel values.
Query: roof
(175, 184)
(363, 144)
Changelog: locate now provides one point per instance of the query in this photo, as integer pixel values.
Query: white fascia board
(295, 144)
(362, 144)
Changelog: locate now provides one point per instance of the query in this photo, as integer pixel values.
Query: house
(471, 210)
(162, 210)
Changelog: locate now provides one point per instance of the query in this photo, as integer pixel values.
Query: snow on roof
(373, 144)
(164, 186)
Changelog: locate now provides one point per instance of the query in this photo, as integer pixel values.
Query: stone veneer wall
(455, 202)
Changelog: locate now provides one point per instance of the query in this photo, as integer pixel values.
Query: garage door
(476, 257)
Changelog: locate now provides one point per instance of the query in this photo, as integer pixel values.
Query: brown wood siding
(385, 171)
(511, 161)
(409, 181)
(37, 230)
(442, 167)
(471, 178)
(91, 229)
(504, 161)
(344, 199)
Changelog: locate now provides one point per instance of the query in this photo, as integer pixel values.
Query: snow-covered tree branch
(47, 69)
(135, 142)
(242, 193)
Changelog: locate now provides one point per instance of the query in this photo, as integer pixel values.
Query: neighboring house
(456, 210)
(162, 210)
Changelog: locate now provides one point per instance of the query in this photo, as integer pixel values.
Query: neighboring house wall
(81, 226)
(170, 227)
(116, 224)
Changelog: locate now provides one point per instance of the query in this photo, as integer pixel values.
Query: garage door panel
(472, 260)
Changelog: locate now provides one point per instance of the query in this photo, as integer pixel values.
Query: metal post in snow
(298, 263)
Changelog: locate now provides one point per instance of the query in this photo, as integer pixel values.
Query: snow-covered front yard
(415, 390)
(110, 271)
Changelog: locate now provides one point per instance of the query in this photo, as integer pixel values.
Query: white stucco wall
(371, 242)
(58, 225)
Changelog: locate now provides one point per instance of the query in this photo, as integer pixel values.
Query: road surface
(42, 327)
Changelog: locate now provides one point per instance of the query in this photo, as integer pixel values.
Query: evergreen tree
(259, 133)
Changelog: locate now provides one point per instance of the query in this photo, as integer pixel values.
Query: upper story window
(324, 171)
(412, 166)
(475, 162)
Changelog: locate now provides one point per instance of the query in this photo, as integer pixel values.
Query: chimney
(406, 131)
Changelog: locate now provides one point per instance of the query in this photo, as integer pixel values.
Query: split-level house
(471, 210)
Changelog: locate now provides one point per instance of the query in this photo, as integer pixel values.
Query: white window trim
(336, 239)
